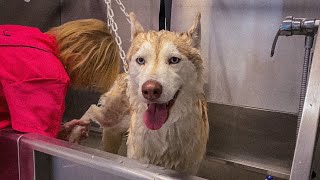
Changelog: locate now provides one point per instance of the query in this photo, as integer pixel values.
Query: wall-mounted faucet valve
(296, 26)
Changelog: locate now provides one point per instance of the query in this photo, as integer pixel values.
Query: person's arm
(36, 105)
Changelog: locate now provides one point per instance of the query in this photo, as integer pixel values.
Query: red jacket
(33, 82)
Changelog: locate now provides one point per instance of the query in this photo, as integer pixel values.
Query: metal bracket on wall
(165, 15)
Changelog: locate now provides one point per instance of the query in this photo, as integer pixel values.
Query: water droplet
(27, 0)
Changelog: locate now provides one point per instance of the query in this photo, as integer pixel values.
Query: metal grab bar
(306, 139)
(41, 157)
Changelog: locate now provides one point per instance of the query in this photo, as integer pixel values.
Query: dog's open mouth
(157, 114)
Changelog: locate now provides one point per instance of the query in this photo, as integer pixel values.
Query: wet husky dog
(160, 101)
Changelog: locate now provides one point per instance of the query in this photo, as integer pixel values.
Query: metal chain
(123, 9)
(114, 28)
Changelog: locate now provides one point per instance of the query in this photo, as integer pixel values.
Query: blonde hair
(89, 52)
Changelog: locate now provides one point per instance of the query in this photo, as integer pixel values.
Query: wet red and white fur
(160, 101)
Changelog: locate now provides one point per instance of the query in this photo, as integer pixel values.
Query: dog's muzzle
(157, 113)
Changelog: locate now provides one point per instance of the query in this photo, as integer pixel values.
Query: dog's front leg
(113, 114)
(112, 139)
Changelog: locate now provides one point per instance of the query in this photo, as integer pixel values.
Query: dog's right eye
(140, 61)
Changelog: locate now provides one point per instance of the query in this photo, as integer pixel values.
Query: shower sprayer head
(296, 26)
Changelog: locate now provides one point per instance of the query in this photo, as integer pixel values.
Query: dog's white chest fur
(179, 145)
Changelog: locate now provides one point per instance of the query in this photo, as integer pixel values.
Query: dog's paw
(74, 131)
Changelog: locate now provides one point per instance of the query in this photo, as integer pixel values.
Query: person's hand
(74, 131)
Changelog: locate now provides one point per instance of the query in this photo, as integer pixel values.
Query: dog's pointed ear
(136, 27)
(195, 31)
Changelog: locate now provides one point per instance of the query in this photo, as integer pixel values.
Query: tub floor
(211, 168)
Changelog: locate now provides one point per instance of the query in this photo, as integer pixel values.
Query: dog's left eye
(140, 61)
(174, 60)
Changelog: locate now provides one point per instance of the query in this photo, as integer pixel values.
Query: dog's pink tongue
(155, 116)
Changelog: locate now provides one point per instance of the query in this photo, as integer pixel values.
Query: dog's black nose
(151, 90)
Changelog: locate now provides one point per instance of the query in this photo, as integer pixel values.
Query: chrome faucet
(296, 26)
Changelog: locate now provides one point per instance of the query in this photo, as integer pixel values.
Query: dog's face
(161, 66)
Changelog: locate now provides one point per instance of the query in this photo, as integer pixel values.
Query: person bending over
(37, 68)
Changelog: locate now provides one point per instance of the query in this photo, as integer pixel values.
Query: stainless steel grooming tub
(246, 143)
